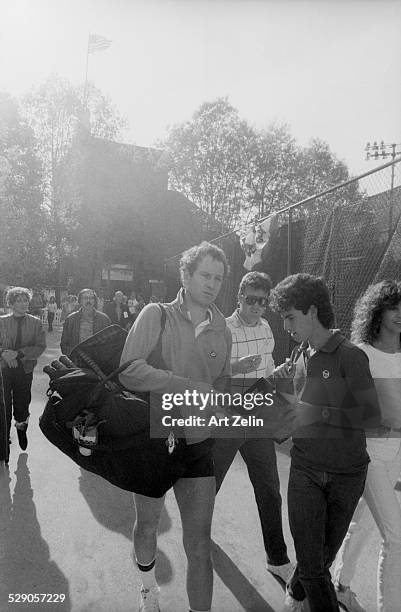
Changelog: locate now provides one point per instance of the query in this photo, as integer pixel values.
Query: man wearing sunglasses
(251, 358)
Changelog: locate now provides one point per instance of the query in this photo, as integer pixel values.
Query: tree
(209, 162)
(23, 222)
(317, 169)
(57, 111)
(237, 174)
(271, 154)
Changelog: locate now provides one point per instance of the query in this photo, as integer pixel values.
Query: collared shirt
(202, 324)
(335, 374)
(247, 340)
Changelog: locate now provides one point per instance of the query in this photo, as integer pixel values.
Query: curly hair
(368, 311)
(301, 291)
(255, 280)
(15, 292)
(191, 258)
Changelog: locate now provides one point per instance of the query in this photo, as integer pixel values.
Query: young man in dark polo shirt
(328, 458)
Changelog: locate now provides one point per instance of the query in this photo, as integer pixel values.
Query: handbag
(103, 427)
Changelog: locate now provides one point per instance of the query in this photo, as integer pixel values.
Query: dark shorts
(161, 472)
(198, 459)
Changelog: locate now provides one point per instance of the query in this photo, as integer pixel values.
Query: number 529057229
(36, 597)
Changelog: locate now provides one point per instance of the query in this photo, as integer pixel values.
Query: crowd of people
(130, 306)
(345, 460)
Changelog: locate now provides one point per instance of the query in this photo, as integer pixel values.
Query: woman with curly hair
(376, 329)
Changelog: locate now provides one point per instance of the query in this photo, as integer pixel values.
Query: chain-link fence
(349, 234)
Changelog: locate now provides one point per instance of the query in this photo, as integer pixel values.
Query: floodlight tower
(376, 151)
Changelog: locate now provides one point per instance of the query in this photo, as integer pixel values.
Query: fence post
(289, 242)
(289, 255)
(390, 221)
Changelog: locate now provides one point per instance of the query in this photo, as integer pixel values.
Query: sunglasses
(251, 300)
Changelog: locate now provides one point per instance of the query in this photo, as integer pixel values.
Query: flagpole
(86, 72)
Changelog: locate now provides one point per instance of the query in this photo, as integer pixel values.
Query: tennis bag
(103, 427)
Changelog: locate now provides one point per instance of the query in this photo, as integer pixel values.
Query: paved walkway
(66, 531)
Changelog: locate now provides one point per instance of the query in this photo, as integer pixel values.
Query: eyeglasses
(251, 300)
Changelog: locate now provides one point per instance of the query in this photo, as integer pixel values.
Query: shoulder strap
(154, 358)
(157, 350)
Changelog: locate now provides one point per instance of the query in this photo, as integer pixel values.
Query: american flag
(97, 43)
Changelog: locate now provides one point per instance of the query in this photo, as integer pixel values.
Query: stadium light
(382, 150)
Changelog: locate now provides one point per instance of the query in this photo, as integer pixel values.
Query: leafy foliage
(23, 222)
(58, 113)
(209, 159)
(238, 174)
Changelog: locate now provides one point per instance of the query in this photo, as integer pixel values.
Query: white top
(248, 340)
(386, 371)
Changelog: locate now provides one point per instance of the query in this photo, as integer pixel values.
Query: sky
(329, 69)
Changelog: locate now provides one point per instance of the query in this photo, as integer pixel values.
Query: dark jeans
(17, 394)
(260, 458)
(50, 319)
(320, 508)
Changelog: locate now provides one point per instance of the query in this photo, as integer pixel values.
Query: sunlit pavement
(65, 532)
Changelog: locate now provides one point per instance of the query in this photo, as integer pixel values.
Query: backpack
(100, 425)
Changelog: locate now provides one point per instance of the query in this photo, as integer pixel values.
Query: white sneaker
(149, 599)
(292, 605)
(347, 599)
(283, 572)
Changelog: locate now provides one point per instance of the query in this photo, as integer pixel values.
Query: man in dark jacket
(118, 312)
(82, 324)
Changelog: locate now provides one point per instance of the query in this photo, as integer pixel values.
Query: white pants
(380, 498)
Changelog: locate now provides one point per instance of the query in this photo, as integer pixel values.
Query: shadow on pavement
(245, 593)
(25, 565)
(114, 509)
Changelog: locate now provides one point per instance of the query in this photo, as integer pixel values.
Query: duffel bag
(135, 463)
(121, 451)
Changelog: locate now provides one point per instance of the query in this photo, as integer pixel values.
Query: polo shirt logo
(326, 374)
(212, 353)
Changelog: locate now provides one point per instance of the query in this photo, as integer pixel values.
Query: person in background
(117, 311)
(252, 358)
(132, 307)
(100, 301)
(376, 329)
(22, 341)
(141, 303)
(69, 305)
(51, 312)
(36, 304)
(83, 323)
